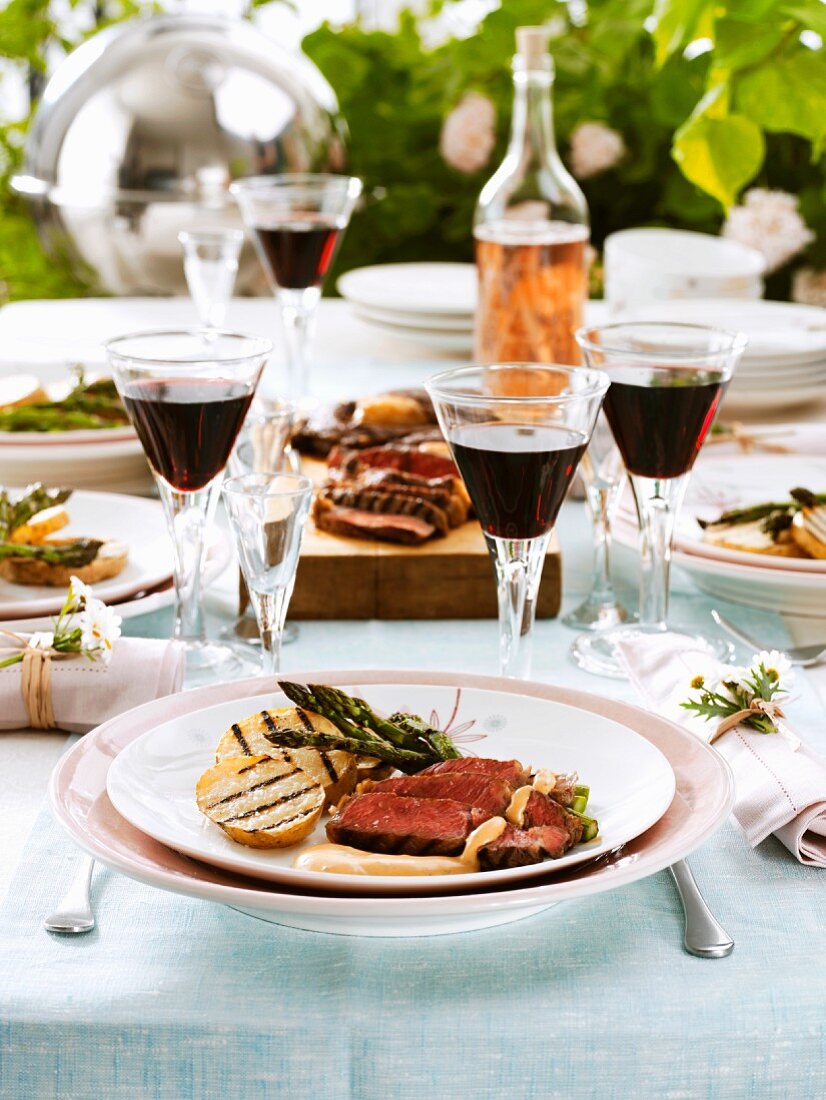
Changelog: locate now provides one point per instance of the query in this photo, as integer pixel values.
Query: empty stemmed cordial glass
(297, 222)
(603, 476)
(210, 266)
(667, 382)
(187, 393)
(517, 433)
(262, 446)
(267, 513)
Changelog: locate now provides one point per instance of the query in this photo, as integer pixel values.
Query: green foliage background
(699, 126)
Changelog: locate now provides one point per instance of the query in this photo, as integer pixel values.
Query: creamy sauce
(515, 812)
(544, 781)
(338, 859)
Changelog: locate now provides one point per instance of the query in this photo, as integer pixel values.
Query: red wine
(298, 254)
(187, 428)
(517, 475)
(661, 417)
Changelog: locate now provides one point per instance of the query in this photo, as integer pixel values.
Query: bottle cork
(532, 46)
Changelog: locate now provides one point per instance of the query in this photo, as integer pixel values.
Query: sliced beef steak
(541, 810)
(470, 788)
(389, 503)
(510, 770)
(385, 822)
(521, 847)
(397, 456)
(356, 523)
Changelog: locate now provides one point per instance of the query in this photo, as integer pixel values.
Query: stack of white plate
(106, 458)
(125, 794)
(427, 303)
(796, 586)
(784, 364)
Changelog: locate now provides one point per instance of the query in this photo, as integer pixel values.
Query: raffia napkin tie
(36, 678)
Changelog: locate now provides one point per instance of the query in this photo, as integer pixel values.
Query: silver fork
(704, 936)
(74, 912)
(803, 655)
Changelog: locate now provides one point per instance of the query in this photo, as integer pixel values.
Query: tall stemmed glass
(187, 393)
(297, 222)
(517, 433)
(667, 381)
(210, 266)
(603, 477)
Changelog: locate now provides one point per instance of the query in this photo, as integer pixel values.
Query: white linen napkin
(779, 789)
(86, 693)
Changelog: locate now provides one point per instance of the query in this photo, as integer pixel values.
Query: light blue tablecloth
(174, 998)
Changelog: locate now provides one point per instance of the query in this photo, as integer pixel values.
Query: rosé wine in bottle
(531, 231)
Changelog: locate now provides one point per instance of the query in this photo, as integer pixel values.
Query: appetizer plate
(703, 799)
(718, 485)
(152, 783)
(147, 600)
(137, 522)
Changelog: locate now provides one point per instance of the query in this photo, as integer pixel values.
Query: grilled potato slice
(333, 769)
(260, 802)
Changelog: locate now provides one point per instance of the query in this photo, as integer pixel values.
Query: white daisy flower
(99, 629)
(777, 665)
(79, 591)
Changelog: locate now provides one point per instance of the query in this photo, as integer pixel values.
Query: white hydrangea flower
(595, 148)
(809, 287)
(469, 133)
(99, 629)
(41, 639)
(770, 222)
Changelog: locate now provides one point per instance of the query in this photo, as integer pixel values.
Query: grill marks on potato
(260, 801)
(258, 735)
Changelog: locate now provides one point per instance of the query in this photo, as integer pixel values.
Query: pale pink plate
(702, 801)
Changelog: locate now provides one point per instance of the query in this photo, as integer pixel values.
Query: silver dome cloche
(143, 127)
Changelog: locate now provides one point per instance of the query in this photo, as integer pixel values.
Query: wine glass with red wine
(187, 393)
(517, 433)
(667, 382)
(297, 221)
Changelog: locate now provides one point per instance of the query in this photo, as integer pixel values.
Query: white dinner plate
(152, 783)
(432, 338)
(429, 322)
(751, 399)
(440, 288)
(718, 485)
(135, 521)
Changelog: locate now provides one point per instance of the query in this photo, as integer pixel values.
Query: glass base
(243, 634)
(596, 652)
(597, 615)
(211, 663)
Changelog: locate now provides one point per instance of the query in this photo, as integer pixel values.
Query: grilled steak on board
(356, 523)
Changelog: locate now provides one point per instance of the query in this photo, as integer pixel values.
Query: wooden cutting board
(449, 578)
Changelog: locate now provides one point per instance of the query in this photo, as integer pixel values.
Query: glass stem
(658, 501)
(270, 612)
(298, 312)
(517, 564)
(188, 515)
(599, 502)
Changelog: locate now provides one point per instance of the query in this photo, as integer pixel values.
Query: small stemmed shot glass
(210, 266)
(603, 476)
(267, 513)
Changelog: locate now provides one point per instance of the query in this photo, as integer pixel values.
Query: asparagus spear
(15, 512)
(72, 554)
(590, 826)
(439, 742)
(403, 759)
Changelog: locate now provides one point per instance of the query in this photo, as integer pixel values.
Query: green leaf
(720, 155)
(788, 96)
(738, 44)
(677, 23)
(811, 13)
